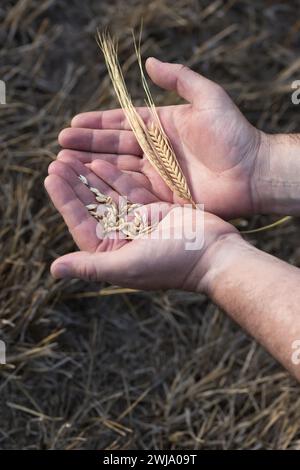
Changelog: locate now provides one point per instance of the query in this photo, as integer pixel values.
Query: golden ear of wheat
(169, 160)
(153, 141)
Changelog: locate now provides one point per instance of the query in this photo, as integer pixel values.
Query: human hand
(158, 262)
(216, 146)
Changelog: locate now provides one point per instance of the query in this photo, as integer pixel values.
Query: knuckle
(88, 272)
(182, 68)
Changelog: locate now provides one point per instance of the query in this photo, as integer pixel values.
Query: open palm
(215, 145)
(159, 262)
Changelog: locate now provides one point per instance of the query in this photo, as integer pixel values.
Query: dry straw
(153, 139)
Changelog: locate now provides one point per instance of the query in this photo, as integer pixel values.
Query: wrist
(220, 258)
(275, 183)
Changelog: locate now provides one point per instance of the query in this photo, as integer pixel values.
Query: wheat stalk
(138, 126)
(160, 139)
(153, 141)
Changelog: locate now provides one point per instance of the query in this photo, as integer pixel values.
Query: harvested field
(92, 368)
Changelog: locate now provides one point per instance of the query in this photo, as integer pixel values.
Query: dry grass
(89, 369)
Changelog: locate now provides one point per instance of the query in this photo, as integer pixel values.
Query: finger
(116, 120)
(81, 225)
(70, 170)
(110, 266)
(124, 266)
(135, 187)
(102, 168)
(85, 197)
(109, 119)
(101, 141)
(187, 83)
(123, 162)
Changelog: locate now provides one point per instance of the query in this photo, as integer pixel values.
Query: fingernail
(61, 271)
(153, 58)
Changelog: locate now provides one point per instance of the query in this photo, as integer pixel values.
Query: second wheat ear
(153, 139)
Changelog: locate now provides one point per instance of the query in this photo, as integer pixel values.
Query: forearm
(276, 177)
(259, 292)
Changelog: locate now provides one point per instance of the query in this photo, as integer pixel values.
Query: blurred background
(89, 367)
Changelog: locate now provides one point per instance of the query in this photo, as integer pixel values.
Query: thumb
(105, 266)
(188, 84)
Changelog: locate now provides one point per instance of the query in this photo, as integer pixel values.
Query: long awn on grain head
(153, 139)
